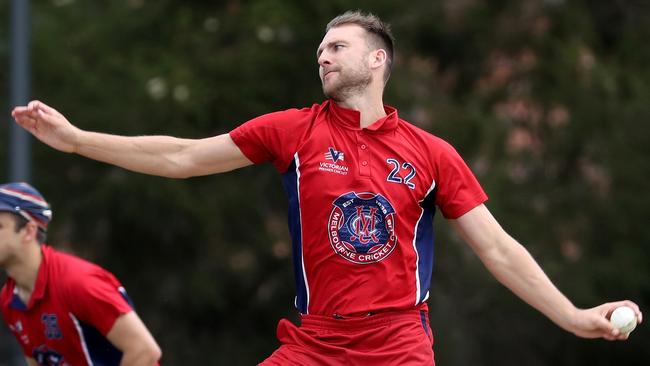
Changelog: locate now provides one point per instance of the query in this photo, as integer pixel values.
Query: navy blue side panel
(423, 319)
(100, 350)
(290, 181)
(424, 246)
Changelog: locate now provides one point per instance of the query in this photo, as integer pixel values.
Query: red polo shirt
(361, 203)
(73, 306)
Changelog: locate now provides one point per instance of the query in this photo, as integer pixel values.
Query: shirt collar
(351, 119)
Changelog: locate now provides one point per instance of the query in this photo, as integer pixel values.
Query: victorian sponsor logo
(334, 167)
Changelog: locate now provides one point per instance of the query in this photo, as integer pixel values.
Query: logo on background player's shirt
(18, 327)
(46, 356)
(334, 167)
(361, 227)
(51, 324)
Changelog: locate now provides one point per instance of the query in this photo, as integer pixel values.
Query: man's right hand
(47, 125)
(165, 156)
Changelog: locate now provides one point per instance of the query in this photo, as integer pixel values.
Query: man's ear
(378, 58)
(30, 231)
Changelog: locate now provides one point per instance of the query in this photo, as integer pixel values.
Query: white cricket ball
(624, 319)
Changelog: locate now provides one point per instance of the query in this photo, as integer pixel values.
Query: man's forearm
(153, 155)
(516, 269)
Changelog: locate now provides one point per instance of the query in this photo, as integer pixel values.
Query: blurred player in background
(363, 185)
(62, 310)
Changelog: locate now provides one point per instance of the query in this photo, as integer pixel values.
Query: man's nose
(324, 59)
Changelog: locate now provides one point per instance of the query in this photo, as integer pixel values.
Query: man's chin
(337, 97)
(331, 93)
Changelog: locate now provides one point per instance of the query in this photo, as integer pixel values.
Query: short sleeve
(98, 299)
(273, 137)
(458, 191)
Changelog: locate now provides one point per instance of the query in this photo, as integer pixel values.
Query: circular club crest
(362, 227)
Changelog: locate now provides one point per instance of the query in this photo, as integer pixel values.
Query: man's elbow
(153, 354)
(500, 254)
(146, 355)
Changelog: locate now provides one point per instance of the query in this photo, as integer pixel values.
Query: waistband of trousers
(371, 320)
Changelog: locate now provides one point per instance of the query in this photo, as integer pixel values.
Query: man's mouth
(328, 72)
(327, 77)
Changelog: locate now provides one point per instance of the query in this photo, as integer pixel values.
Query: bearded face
(344, 62)
(345, 80)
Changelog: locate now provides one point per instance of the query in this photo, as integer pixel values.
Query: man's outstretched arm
(515, 268)
(156, 155)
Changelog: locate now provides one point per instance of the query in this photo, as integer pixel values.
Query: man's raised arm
(156, 155)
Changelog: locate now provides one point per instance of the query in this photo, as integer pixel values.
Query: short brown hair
(381, 34)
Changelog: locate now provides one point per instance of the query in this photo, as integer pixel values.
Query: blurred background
(547, 100)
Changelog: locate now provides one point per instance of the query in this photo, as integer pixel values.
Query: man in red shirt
(63, 311)
(363, 185)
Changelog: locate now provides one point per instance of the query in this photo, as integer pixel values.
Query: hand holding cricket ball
(623, 318)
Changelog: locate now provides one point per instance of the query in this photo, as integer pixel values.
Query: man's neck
(371, 107)
(24, 271)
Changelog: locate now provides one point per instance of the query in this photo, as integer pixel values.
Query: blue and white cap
(24, 200)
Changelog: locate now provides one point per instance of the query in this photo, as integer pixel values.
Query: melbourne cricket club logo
(334, 167)
(46, 356)
(362, 227)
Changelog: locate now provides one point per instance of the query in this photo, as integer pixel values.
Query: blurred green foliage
(546, 100)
